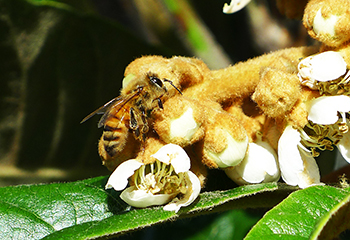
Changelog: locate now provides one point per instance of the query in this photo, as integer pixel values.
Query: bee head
(155, 81)
(160, 83)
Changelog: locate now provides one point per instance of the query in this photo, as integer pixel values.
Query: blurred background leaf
(58, 65)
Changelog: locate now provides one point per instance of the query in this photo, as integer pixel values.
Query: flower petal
(297, 166)
(127, 79)
(235, 6)
(259, 165)
(193, 190)
(232, 155)
(185, 126)
(175, 155)
(324, 110)
(326, 25)
(119, 178)
(322, 67)
(142, 199)
(344, 146)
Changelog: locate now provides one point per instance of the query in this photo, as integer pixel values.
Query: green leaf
(335, 221)
(140, 218)
(233, 224)
(83, 209)
(34, 211)
(304, 214)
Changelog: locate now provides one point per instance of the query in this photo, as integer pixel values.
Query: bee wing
(112, 107)
(103, 109)
(112, 110)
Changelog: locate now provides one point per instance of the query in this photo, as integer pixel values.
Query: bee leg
(160, 104)
(137, 132)
(143, 111)
(133, 121)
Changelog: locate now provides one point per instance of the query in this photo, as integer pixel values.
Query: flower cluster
(249, 149)
(328, 120)
(259, 120)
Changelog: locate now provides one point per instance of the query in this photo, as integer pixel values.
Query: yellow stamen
(323, 137)
(338, 86)
(160, 178)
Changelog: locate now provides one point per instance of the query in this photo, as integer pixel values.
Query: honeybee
(129, 112)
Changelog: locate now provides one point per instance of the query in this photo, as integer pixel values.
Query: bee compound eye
(156, 81)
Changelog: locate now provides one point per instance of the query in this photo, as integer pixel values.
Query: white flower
(167, 179)
(185, 126)
(235, 6)
(322, 67)
(259, 165)
(331, 113)
(323, 25)
(298, 167)
(233, 153)
(320, 71)
(344, 145)
(324, 110)
(328, 125)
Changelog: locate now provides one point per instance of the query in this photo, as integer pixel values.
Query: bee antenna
(171, 83)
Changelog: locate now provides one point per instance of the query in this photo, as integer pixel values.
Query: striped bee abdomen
(114, 137)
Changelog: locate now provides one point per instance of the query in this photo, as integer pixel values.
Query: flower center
(323, 137)
(338, 86)
(160, 178)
